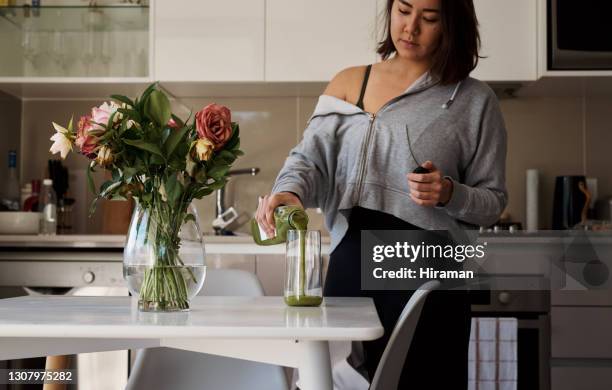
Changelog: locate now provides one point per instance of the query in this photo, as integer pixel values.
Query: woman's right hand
(267, 204)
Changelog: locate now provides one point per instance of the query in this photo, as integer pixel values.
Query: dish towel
(493, 354)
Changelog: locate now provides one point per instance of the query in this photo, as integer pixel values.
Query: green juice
(290, 218)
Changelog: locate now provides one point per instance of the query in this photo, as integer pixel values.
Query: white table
(261, 329)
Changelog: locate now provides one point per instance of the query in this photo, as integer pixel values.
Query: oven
(531, 309)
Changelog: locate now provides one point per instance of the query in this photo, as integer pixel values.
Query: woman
(356, 164)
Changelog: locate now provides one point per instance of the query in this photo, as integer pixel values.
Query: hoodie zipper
(367, 140)
(364, 152)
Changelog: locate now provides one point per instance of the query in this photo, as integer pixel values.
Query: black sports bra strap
(363, 86)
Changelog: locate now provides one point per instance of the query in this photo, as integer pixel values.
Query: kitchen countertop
(105, 241)
(213, 244)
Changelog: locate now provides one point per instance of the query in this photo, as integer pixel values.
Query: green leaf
(173, 189)
(116, 174)
(201, 176)
(158, 108)
(189, 217)
(118, 197)
(202, 193)
(217, 184)
(140, 144)
(165, 134)
(123, 99)
(178, 120)
(234, 140)
(108, 187)
(128, 174)
(92, 206)
(224, 157)
(145, 95)
(178, 164)
(157, 160)
(111, 120)
(90, 180)
(131, 114)
(173, 140)
(218, 172)
(123, 127)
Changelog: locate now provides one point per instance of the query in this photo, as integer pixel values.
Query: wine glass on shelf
(107, 50)
(28, 49)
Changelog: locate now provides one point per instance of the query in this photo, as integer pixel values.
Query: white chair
(166, 368)
(389, 368)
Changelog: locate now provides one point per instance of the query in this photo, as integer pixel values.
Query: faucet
(220, 204)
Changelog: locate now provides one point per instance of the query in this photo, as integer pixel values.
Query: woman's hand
(267, 204)
(429, 189)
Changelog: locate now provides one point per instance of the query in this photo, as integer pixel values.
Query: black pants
(438, 355)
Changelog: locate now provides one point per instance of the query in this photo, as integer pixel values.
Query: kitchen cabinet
(581, 347)
(581, 319)
(313, 40)
(509, 32)
(209, 40)
(572, 378)
(75, 42)
(581, 332)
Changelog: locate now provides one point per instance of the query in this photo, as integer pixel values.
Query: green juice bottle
(285, 218)
(290, 218)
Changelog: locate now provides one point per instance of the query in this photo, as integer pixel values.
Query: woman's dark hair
(457, 52)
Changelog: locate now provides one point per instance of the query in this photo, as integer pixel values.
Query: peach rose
(214, 123)
(203, 149)
(105, 157)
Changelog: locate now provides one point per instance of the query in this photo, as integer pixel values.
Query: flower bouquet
(164, 163)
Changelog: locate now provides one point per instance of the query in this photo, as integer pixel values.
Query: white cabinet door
(315, 39)
(509, 40)
(209, 40)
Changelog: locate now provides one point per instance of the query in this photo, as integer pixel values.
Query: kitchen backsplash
(557, 127)
(10, 123)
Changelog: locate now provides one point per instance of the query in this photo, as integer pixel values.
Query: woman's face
(416, 28)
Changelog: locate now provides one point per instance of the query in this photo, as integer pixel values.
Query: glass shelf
(75, 41)
(76, 18)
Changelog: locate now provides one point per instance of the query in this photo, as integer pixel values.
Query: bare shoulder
(344, 82)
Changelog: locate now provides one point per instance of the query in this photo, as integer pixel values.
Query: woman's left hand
(430, 189)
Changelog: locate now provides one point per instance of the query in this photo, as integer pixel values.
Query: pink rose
(86, 142)
(90, 147)
(100, 115)
(214, 123)
(172, 124)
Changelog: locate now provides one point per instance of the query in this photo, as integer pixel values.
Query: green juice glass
(303, 272)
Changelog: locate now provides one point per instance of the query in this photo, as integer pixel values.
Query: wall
(561, 127)
(558, 126)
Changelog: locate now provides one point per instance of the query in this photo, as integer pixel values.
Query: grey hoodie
(349, 157)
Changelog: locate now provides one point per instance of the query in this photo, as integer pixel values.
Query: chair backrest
(231, 282)
(390, 367)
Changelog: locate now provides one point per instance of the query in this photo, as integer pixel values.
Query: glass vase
(164, 261)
